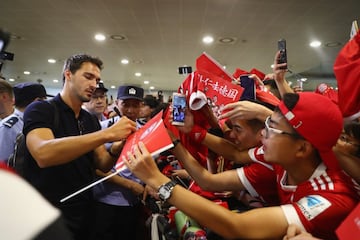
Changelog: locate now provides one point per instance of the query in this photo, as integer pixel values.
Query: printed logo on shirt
(313, 205)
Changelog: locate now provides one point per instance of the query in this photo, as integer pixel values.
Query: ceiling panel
(161, 35)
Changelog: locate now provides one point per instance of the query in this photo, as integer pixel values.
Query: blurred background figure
(148, 107)
(6, 99)
(12, 125)
(97, 104)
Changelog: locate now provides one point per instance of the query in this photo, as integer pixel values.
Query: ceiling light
(315, 44)
(26, 72)
(152, 88)
(207, 39)
(112, 87)
(100, 37)
(11, 80)
(51, 60)
(146, 82)
(124, 61)
(138, 74)
(272, 66)
(55, 81)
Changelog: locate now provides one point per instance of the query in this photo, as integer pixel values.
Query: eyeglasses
(344, 138)
(277, 131)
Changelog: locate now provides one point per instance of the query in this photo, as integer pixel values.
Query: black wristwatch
(165, 190)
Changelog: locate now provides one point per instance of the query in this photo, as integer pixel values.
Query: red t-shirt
(318, 205)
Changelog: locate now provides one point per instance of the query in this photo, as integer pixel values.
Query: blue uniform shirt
(111, 193)
(10, 127)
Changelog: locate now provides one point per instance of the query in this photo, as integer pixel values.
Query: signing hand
(121, 129)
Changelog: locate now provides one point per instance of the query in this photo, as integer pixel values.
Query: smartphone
(178, 109)
(283, 55)
(248, 84)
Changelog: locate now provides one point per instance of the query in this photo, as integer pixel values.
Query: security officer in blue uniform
(12, 125)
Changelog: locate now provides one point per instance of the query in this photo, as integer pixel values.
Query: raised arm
(226, 149)
(225, 181)
(50, 151)
(245, 110)
(271, 221)
(279, 76)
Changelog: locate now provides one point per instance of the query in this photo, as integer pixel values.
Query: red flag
(350, 226)
(258, 73)
(219, 91)
(206, 63)
(347, 72)
(153, 134)
(238, 72)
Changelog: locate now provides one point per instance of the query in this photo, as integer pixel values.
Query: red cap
(319, 121)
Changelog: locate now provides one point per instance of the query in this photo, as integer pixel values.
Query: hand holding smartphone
(283, 55)
(178, 109)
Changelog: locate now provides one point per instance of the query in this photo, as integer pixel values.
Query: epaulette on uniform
(11, 122)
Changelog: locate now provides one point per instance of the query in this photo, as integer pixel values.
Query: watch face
(164, 192)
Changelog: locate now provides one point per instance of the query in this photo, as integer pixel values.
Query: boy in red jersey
(297, 146)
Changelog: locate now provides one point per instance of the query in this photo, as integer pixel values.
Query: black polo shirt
(56, 182)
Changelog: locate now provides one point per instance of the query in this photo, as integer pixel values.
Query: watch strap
(169, 186)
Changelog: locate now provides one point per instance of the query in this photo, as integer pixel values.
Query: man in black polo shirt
(63, 153)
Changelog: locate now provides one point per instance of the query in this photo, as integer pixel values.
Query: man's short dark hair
(6, 87)
(74, 63)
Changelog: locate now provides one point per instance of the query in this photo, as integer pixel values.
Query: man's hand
(188, 123)
(121, 129)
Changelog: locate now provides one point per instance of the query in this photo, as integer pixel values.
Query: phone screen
(283, 54)
(179, 105)
(249, 88)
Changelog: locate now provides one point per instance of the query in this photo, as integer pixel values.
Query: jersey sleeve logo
(313, 205)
